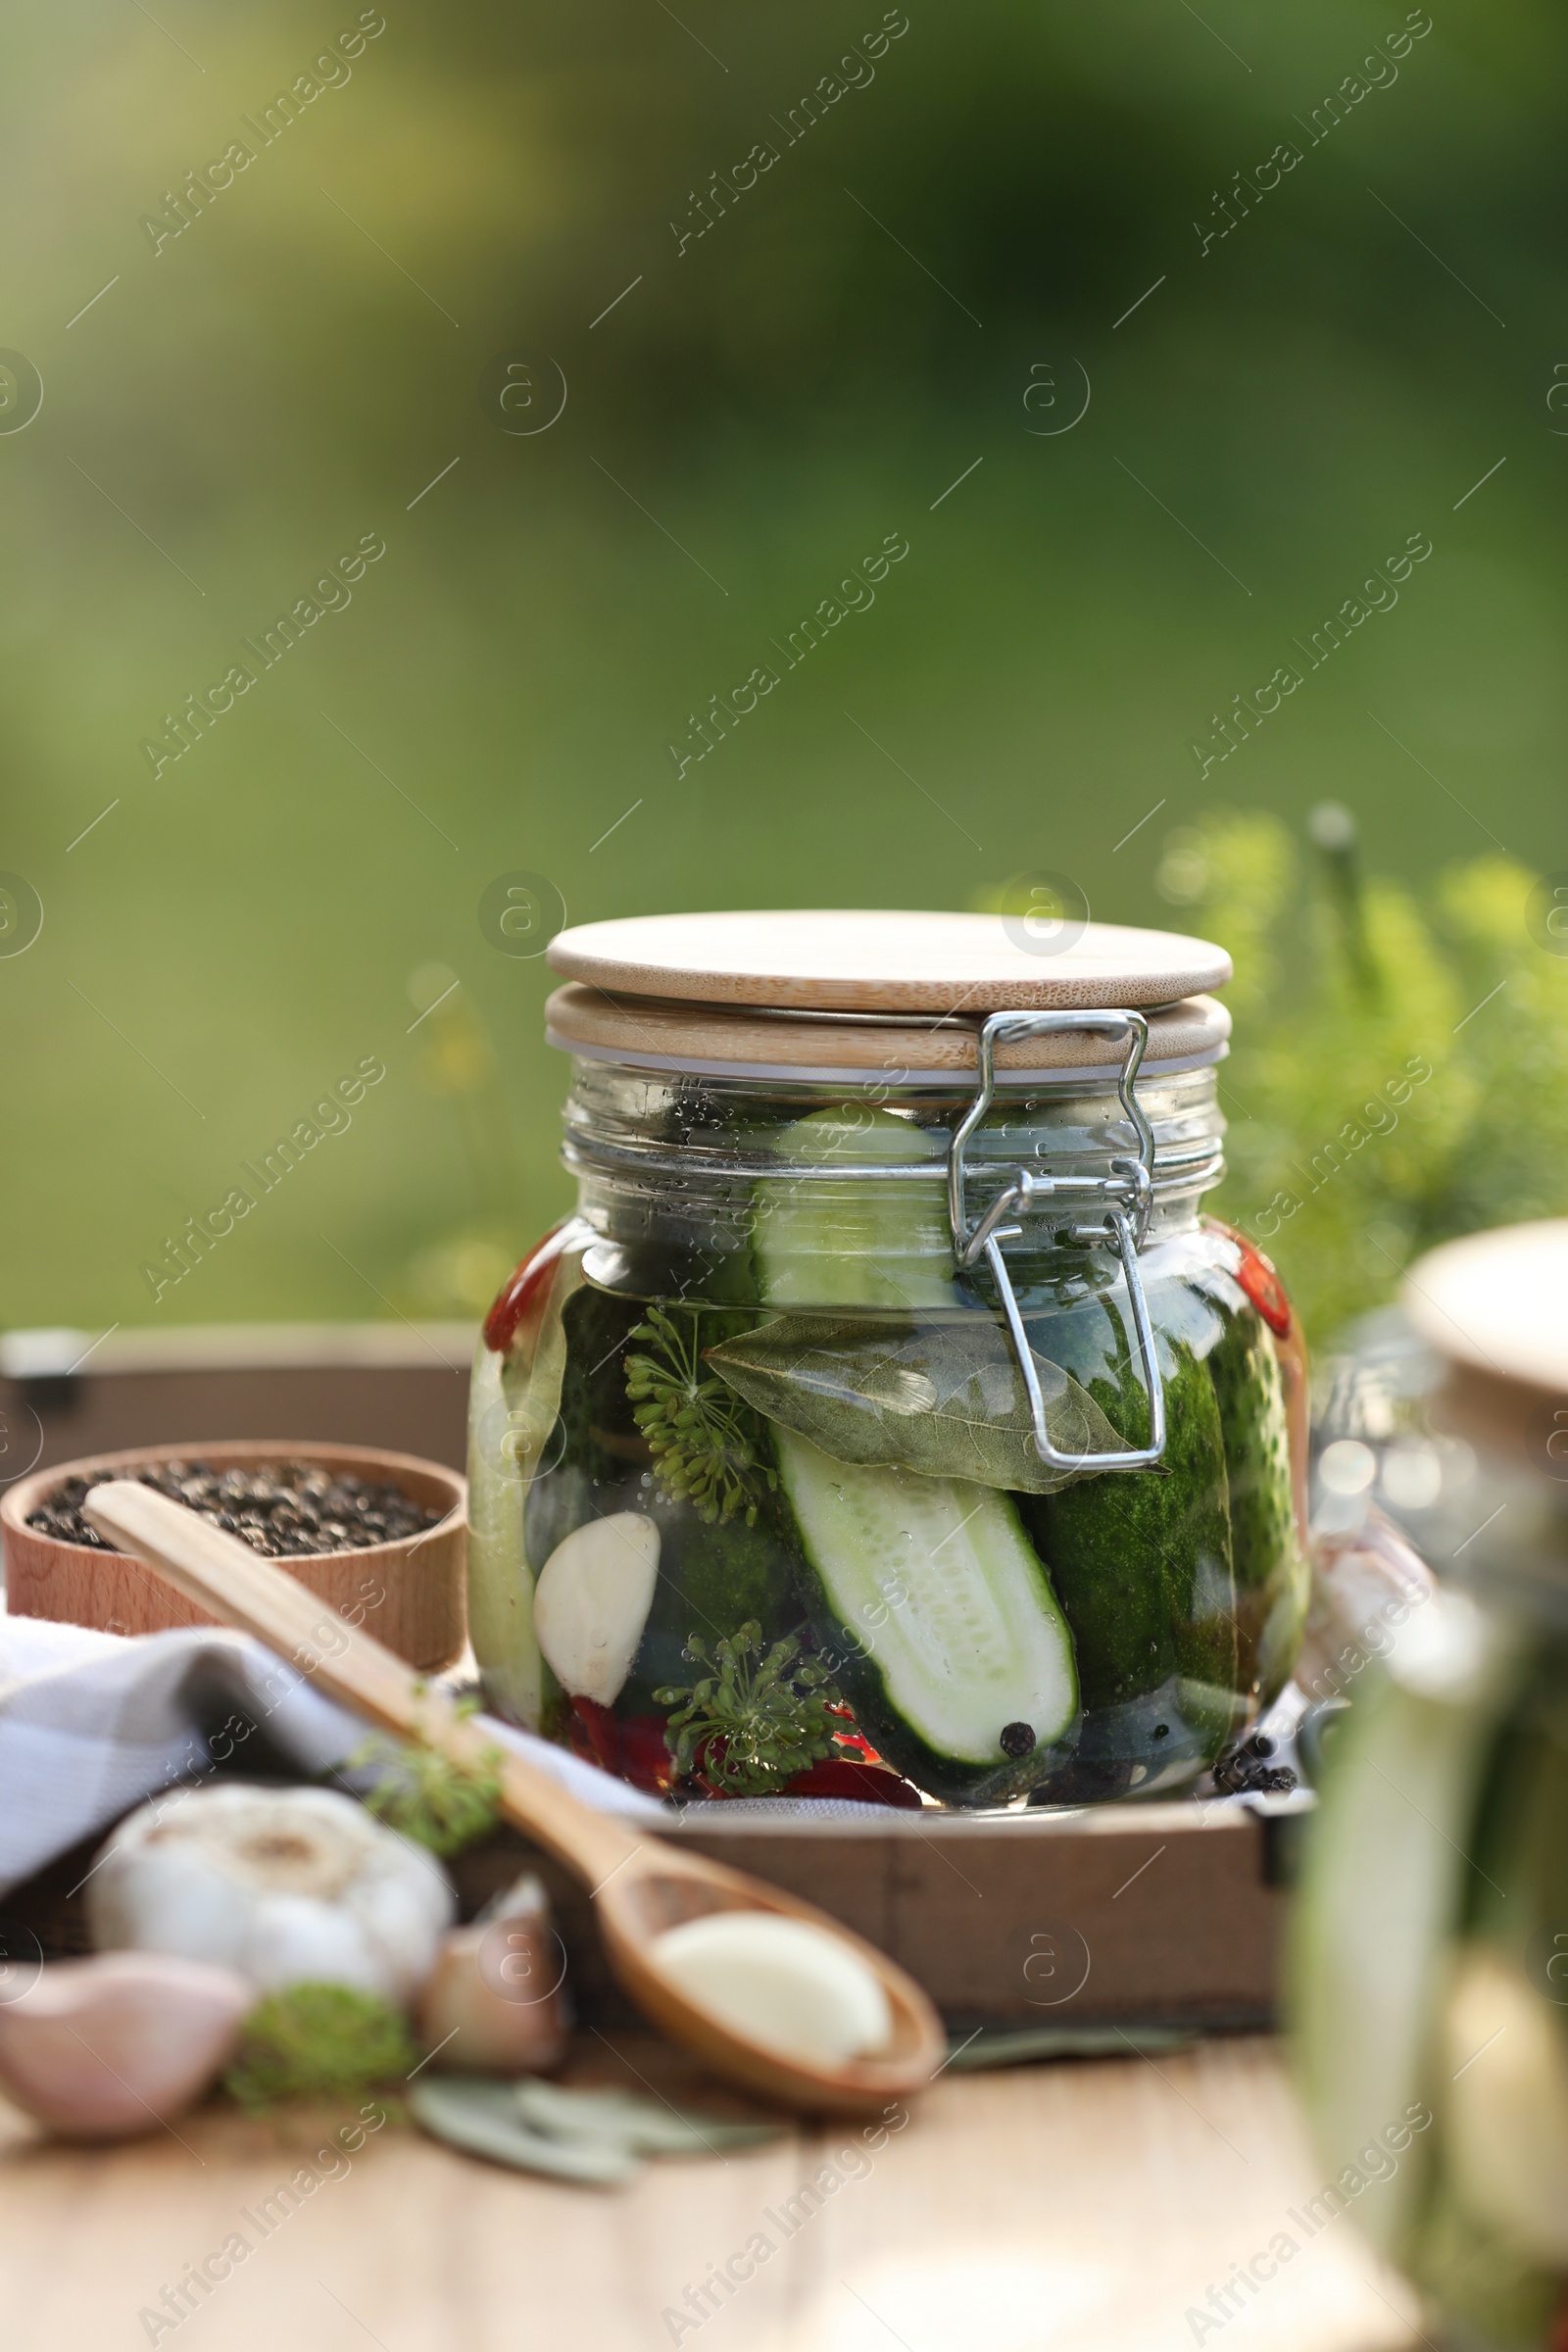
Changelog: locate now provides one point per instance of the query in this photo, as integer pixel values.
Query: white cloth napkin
(91, 1723)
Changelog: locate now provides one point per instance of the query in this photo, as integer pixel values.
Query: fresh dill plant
(706, 1444)
(754, 1720)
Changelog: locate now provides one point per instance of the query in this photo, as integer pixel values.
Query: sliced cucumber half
(940, 1602)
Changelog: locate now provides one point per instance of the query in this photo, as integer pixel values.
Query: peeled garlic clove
(1507, 2103)
(289, 1886)
(102, 2048)
(592, 1601)
(495, 2002)
(781, 1982)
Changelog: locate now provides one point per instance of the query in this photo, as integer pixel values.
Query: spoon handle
(224, 1576)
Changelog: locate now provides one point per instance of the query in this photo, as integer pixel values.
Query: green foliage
(786, 387)
(751, 1727)
(706, 1443)
(1399, 1072)
(318, 2041)
(431, 1797)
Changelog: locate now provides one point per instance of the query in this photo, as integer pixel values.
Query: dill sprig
(428, 1797)
(318, 2041)
(750, 1725)
(704, 1440)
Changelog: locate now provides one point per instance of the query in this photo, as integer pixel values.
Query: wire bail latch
(1124, 1198)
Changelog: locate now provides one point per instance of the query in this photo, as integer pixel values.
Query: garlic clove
(496, 1997)
(784, 1983)
(102, 2048)
(591, 1604)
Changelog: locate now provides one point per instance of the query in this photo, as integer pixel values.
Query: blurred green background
(914, 295)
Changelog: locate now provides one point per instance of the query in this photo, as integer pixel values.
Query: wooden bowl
(409, 1594)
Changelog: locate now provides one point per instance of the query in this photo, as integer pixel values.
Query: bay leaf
(943, 1397)
(481, 2116)
(647, 2127)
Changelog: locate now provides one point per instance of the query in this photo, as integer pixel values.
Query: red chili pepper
(1258, 1279)
(631, 1746)
(866, 1784)
(849, 1737)
(518, 1293)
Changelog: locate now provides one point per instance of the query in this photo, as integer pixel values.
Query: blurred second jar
(887, 1421)
(1430, 1952)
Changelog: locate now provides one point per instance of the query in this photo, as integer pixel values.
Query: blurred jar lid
(1494, 1307)
(847, 961)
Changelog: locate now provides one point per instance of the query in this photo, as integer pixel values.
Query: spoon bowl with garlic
(764, 1989)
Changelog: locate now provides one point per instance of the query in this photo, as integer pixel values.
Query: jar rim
(1186, 1128)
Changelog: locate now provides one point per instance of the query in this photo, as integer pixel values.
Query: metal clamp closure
(1124, 1198)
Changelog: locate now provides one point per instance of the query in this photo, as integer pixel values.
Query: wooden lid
(732, 1041)
(848, 961)
(1497, 1304)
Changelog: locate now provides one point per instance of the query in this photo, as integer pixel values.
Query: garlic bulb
(495, 2002)
(289, 1886)
(102, 2048)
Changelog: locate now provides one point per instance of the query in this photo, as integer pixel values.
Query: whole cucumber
(1271, 1570)
(1142, 1560)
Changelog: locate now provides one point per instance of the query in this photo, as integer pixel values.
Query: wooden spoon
(640, 1886)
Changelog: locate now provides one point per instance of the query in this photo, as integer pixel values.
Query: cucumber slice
(1386, 1881)
(512, 1408)
(861, 1242)
(946, 1613)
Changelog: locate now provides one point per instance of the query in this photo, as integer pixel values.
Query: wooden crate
(1154, 1915)
(1157, 1914)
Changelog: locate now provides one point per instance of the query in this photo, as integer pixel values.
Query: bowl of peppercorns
(381, 1536)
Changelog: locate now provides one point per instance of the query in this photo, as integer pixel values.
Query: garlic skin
(496, 2002)
(102, 2048)
(288, 1885)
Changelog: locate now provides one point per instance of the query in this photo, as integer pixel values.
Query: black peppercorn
(275, 1509)
(1017, 1739)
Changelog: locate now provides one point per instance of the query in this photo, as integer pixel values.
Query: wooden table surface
(1082, 2207)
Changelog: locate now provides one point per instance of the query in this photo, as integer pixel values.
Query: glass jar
(788, 1467)
(1431, 1947)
